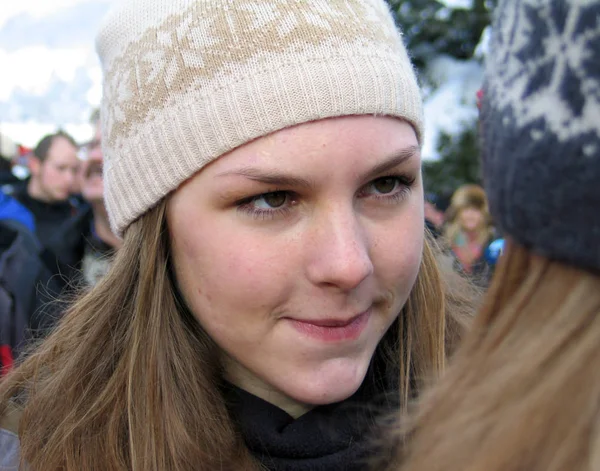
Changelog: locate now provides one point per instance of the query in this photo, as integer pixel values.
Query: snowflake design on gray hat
(546, 67)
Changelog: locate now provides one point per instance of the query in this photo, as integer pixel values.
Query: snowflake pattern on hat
(546, 68)
(198, 49)
(187, 81)
(540, 126)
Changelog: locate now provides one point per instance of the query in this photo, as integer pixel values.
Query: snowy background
(50, 73)
(51, 76)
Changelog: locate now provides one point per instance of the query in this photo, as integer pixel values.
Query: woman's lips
(332, 330)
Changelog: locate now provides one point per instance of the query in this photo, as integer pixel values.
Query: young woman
(261, 164)
(468, 231)
(524, 391)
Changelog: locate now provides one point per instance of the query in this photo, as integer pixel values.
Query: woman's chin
(326, 388)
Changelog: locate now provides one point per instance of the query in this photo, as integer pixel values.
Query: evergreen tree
(458, 163)
(431, 28)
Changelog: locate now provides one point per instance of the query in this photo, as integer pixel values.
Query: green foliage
(430, 29)
(458, 164)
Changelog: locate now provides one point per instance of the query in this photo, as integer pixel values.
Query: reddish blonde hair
(523, 392)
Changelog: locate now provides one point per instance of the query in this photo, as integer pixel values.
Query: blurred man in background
(87, 242)
(27, 284)
(53, 165)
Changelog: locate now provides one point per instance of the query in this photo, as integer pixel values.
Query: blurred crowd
(55, 237)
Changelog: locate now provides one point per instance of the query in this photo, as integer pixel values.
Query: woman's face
(297, 251)
(471, 219)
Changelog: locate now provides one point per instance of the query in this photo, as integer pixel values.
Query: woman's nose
(339, 251)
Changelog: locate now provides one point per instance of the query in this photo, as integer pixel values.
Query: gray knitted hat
(186, 81)
(541, 127)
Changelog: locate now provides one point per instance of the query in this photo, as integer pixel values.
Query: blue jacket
(11, 209)
(9, 451)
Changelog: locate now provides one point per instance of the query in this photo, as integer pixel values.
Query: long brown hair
(523, 391)
(130, 381)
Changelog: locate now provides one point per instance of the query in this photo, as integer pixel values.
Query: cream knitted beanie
(186, 81)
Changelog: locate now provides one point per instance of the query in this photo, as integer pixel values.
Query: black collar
(328, 438)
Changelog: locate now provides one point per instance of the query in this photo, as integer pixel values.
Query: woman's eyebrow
(270, 177)
(275, 178)
(396, 159)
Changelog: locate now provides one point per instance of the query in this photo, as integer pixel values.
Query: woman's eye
(272, 200)
(268, 205)
(388, 189)
(385, 185)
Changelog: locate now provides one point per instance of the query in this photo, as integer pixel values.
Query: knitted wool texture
(186, 81)
(541, 127)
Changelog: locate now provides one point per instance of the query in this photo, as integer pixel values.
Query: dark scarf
(336, 437)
